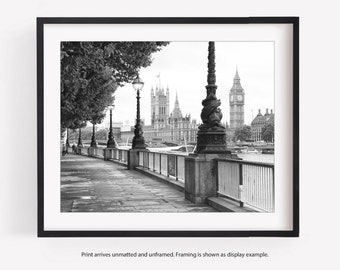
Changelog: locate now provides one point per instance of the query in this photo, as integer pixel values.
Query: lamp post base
(138, 143)
(212, 141)
(111, 144)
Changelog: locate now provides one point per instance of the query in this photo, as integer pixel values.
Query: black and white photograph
(167, 126)
(171, 127)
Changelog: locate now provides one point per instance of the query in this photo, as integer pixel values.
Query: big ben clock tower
(236, 103)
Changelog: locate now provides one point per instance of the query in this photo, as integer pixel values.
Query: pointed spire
(177, 111)
(237, 84)
(237, 77)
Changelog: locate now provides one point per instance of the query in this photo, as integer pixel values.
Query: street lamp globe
(138, 84)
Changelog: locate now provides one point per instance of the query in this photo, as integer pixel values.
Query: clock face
(231, 98)
(239, 97)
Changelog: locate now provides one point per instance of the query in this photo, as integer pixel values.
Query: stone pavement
(95, 185)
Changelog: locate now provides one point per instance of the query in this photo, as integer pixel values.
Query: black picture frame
(41, 22)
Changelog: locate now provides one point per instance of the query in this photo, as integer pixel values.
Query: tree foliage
(267, 132)
(91, 73)
(242, 133)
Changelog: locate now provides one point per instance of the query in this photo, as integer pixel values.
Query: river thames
(250, 156)
(266, 158)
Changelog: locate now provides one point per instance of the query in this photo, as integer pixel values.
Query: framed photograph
(168, 127)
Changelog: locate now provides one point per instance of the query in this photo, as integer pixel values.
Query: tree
(91, 73)
(242, 133)
(267, 132)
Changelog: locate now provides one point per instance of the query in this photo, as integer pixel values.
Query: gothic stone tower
(160, 104)
(236, 103)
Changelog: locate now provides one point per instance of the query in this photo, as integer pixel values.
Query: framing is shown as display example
(168, 127)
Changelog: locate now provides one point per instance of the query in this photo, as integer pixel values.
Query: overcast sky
(183, 67)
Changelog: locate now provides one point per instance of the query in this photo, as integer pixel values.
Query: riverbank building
(259, 122)
(168, 127)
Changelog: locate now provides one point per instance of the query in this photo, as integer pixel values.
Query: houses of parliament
(166, 126)
(174, 127)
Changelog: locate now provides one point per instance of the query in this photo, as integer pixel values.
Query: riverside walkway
(95, 185)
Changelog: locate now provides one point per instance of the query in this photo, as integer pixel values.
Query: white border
(282, 219)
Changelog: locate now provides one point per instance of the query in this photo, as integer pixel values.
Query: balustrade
(167, 164)
(116, 154)
(250, 183)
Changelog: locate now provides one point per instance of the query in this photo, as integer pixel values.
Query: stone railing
(116, 154)
(250, 183)
(113, 154)
(171, 165)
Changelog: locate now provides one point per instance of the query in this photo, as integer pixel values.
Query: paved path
(95, 185)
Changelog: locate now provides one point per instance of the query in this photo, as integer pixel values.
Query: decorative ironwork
(138, 141)
(111, 142)
(93, 138)
(211, 137)
(211, 66)
(211, 114)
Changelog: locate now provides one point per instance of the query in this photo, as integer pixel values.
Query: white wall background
(319, 178)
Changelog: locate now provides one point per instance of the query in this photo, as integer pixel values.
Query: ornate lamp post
(138, 140)
(211, 137)
(93, 138)
(111, 142)
(80, 142)
(200, 168)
